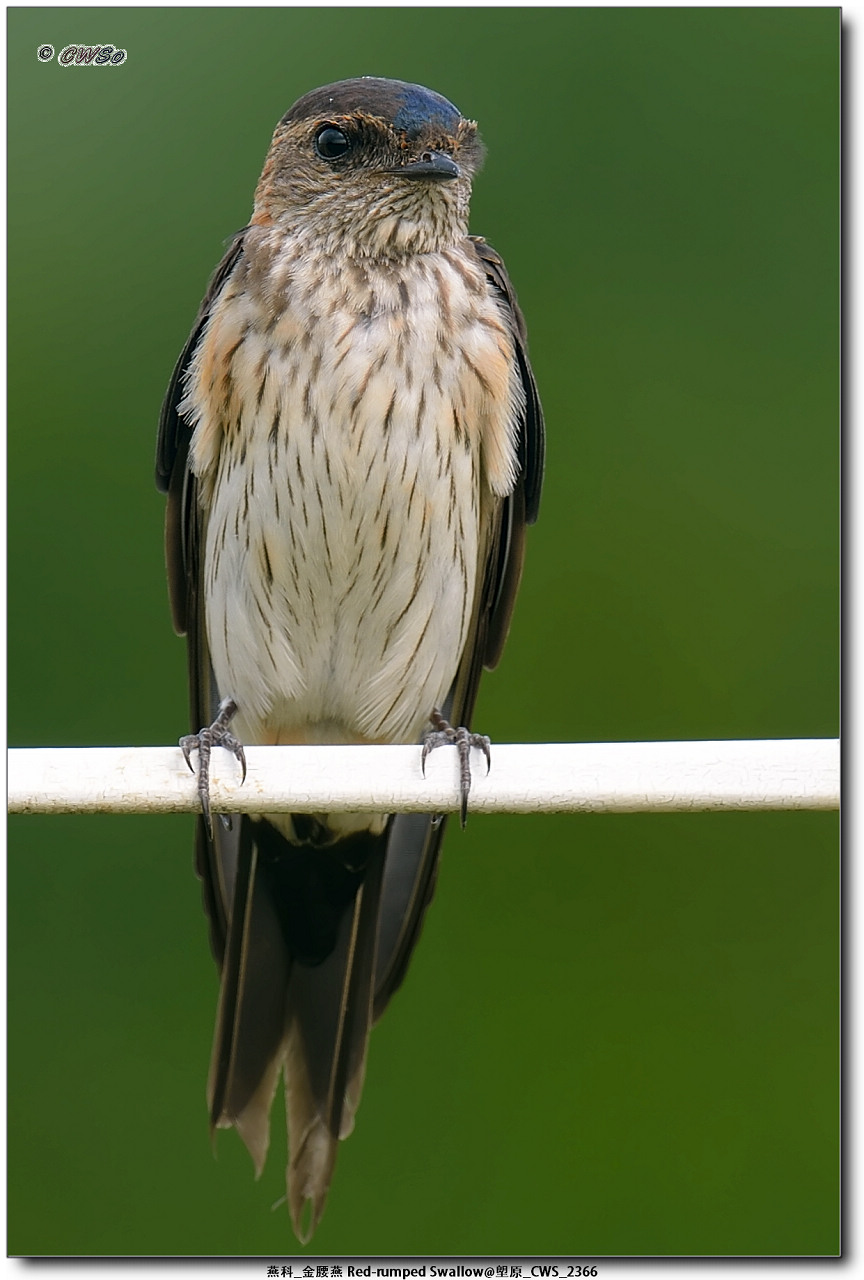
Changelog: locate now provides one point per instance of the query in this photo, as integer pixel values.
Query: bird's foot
(443, 734)
(215, 735)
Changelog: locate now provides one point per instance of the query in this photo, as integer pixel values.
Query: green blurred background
(619, 1033)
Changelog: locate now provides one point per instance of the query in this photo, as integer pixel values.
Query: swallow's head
(371, 167)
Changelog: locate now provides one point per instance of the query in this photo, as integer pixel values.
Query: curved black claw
(443, 734)
(215, 735)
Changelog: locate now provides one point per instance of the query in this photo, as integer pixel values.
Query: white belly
(342, 594)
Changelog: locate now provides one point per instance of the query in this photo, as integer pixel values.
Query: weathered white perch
(611, 777)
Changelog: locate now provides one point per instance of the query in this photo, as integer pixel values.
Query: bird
(352, 445)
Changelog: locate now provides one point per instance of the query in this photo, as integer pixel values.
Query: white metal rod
(556, 777)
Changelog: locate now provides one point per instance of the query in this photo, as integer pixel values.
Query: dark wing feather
(173, 429)
(521, 508)
(532, 434)
(172, 455)
(216, 859)
(412, 855)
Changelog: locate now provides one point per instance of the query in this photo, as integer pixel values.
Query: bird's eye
(331, 143)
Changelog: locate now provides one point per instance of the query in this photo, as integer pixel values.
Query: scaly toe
(215, 735)
(444, 734)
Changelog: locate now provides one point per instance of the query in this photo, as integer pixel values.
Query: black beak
(432, 164)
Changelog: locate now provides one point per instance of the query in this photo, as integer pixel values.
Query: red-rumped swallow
(352, 446)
